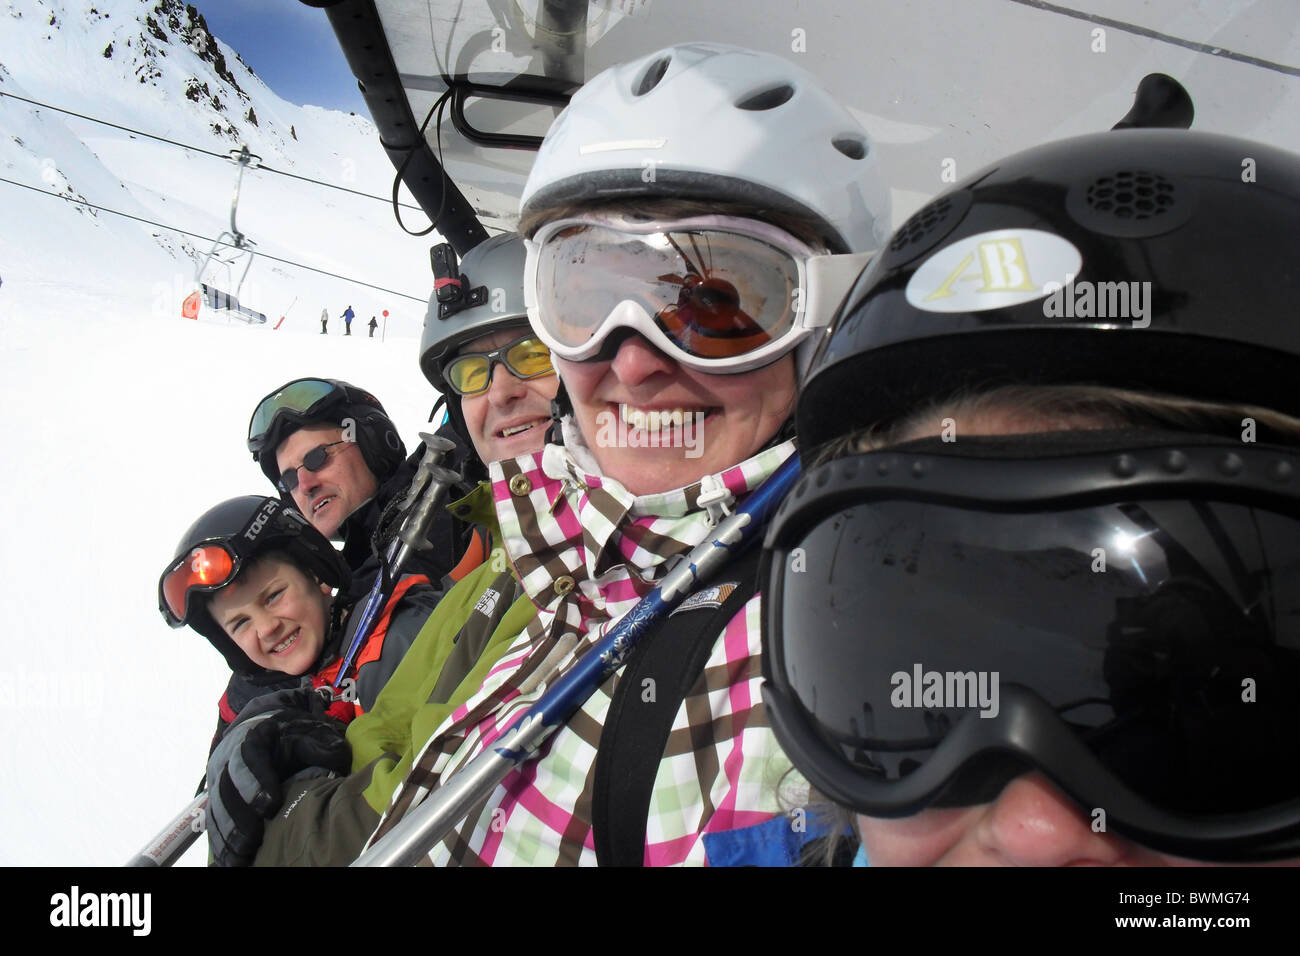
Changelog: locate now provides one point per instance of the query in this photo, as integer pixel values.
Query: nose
(504, 387)
(1033, 824)
(266, 626)
(308, 481)
(637, 360)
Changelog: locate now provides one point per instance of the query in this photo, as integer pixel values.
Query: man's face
(276, 614)
(511, 417)
(655, 425)
(327, 497)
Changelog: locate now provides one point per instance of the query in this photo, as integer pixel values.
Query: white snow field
(124, 421)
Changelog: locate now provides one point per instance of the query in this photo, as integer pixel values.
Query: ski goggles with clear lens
(212, 564)
(715, 293)
(470, 373)
(1125, 622)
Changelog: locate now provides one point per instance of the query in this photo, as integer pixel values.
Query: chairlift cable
(195, 235)
(197, 149)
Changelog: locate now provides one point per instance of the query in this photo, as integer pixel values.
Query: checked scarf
(586, 550)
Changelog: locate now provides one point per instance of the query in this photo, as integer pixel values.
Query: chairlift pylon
(240, 246)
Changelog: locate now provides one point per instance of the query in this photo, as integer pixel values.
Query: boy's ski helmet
(324, 401)
(242, 529)
(721, 124)
(1157, 260)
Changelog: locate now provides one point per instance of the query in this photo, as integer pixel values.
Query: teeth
(285, 643)
(515, 430)
(655, 419)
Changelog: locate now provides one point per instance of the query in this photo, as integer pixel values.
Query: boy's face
(275, 614)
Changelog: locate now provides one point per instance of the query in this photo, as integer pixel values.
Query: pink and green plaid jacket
(586, 551)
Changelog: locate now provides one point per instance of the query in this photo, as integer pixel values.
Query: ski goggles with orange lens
(1125, 621)
(717, 294)
(212, 564)
(470, 373)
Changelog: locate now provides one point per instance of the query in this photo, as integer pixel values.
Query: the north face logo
(488, 602)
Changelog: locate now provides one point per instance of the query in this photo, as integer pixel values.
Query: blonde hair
(1073, 407)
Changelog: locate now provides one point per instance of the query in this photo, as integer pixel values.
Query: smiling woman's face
(275, 614)
(654, 425)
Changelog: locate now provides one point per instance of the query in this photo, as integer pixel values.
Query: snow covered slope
(124, 421)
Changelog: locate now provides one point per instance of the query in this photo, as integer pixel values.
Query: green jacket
(326, 822)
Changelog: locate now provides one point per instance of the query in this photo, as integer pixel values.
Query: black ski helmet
(1196, 232)
(381, 447)
(246, 528)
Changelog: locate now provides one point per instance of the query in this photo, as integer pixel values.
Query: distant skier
(348, 316)
(324, 321)
(373, 325)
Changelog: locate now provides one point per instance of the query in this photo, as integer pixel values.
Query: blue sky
(290, 46)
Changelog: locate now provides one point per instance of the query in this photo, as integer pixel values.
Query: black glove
(248, 771)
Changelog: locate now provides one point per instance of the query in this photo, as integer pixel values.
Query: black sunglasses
(314, 460)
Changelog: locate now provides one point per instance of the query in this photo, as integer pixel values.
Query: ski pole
(428, 488)
(422, 826)
(175, 838)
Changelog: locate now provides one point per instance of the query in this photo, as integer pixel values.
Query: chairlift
(228, 249)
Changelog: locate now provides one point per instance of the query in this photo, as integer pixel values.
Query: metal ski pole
(416, 833)
(175, 838)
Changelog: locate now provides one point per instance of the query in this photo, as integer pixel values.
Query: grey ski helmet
(244, 528)
(716, 123)
(485, 294)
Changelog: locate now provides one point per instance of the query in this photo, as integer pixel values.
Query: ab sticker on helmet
(993, 270)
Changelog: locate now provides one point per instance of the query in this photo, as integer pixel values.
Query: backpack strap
(635, 735)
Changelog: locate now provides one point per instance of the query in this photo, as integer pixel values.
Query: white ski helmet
(714, 122)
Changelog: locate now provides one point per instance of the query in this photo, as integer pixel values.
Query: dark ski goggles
(314, 460)
(212, 564)
(470, 373)
(717, 294)
(1127, 622)
(300, 402)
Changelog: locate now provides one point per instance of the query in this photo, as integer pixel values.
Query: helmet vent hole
(854, 147)
(921, 224)
(1131, 194)
(652, 75)
(768, 99)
